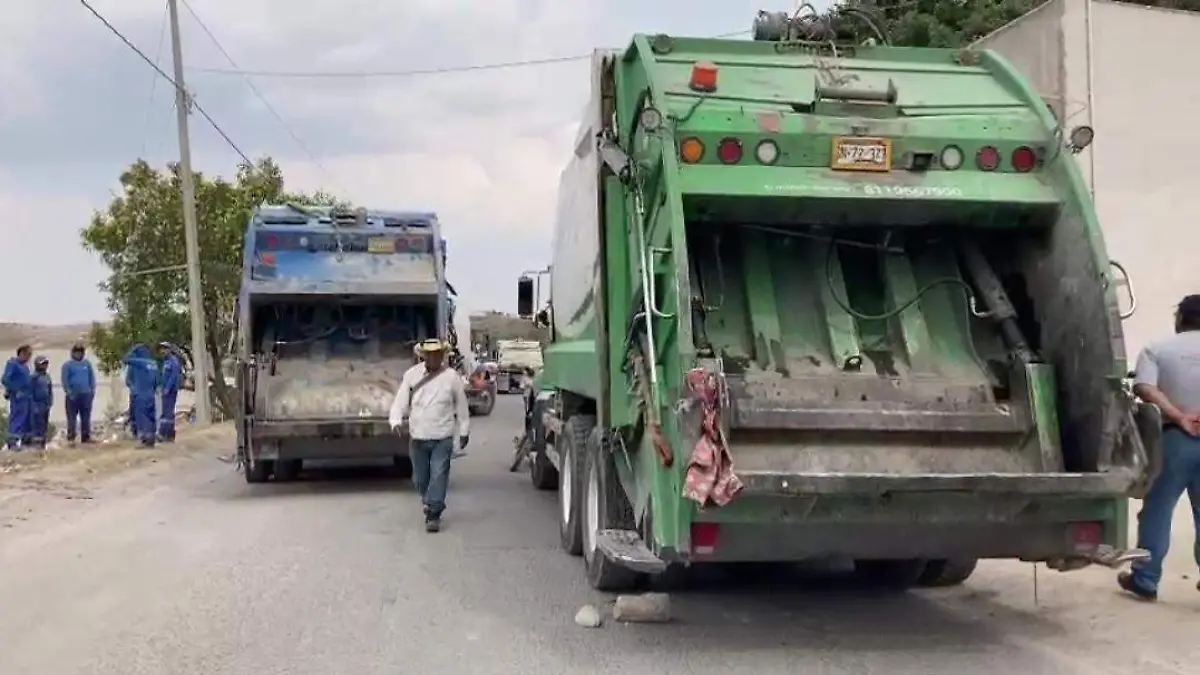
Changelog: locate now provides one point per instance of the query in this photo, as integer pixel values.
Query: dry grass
(30, 469)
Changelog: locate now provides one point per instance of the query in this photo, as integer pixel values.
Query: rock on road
(183, 569)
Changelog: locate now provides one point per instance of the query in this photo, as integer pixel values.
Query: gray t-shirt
(1173, 365)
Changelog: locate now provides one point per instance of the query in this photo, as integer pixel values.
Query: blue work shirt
(141, 375)
(171, 370)
(43, 390)
(78, 377)
(17, 380)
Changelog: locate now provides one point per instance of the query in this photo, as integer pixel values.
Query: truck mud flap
(1115, 483)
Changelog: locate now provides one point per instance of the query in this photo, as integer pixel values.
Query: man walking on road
(1168, 375)
(79, 389)
(432, 405)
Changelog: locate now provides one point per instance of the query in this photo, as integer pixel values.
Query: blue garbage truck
(332, 303)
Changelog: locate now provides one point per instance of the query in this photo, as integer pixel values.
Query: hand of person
(399, 429)
(462, 441)
(1188, 422)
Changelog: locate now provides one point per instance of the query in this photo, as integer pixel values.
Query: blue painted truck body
(331, 304)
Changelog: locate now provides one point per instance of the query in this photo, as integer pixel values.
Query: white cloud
(484, 149)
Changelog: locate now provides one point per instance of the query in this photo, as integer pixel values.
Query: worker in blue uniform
(42, 401)
(172, 371)
(141, 376)
(18, 390)
(79, 390)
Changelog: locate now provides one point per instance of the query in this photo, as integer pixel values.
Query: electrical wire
(162, 35)
(187, 97)
(448, 70)
(262, 98)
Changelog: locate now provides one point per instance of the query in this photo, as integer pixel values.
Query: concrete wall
(1146, 155)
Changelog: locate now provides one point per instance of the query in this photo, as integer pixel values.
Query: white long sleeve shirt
(437, 410)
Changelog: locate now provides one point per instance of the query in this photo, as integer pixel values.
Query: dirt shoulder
(34, 471)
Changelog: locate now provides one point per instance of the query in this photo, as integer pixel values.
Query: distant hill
(44, 337)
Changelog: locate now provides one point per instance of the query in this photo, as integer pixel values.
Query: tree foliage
(140, 239)
(958, 23)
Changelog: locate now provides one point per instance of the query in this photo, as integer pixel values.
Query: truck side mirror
(525, 298)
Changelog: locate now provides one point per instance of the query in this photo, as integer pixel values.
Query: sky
(483, 149)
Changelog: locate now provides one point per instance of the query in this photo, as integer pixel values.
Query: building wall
(1147, 159)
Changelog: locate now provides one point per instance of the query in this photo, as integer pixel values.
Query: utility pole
(191, 234)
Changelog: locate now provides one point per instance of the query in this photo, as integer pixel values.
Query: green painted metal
(783, 305)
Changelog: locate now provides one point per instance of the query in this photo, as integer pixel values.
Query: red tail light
(272, 241)
(730, 151)
(1024, 159)
(704, 538)
(1086, 536)
(987, 159)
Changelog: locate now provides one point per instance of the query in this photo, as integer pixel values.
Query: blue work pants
(144, 417)
(19, 410)
(79, 416)
(1180, 473)
(166, 422)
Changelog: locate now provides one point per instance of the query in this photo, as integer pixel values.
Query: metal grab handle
(1129, 286)
(656, 250)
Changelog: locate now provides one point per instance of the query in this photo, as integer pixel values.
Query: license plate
(381, 245)
(855, 153)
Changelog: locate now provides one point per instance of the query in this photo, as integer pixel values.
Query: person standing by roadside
(42, 402)
(1168, 375)
(431, 405)
(142, 379)
(172, 370)
(18, 389)
(79, 392)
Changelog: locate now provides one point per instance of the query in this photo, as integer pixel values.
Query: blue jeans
(1180, 473)
(431, 472)
(79, 415)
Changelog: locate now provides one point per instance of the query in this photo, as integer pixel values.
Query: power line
(448, 70)
(162, 34)
(261, 97)
(203, 113)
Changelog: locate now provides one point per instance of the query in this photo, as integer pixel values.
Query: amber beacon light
(704, 77)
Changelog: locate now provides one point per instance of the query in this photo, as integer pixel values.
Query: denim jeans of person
(431, 472)
(79, 416)
(1180, 473)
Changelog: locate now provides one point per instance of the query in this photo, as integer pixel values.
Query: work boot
(432, 523)
(1129, 584)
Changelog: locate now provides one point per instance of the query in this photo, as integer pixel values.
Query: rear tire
(572, 456)
(487, 402)
(288, 470)
(604, 507)
(403, 466)
(890, 575)
(257, 471)
(542, 473)
(945, 573)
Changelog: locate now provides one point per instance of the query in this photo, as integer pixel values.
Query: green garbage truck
(816, 297)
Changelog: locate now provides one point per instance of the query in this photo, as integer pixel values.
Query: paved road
(186, 570)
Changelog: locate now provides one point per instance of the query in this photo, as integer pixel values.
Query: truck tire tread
(257, 472)
(572, 449)
(890, 575)
(946, 573)
(615, 513)
(542, 473)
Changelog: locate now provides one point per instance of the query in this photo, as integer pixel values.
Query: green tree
(140, 239)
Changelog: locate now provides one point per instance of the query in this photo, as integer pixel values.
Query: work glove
(462, 442)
